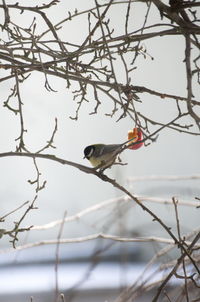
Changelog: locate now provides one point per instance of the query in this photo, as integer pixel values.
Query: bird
(103, 156)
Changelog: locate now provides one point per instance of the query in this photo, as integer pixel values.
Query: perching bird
(103, 156)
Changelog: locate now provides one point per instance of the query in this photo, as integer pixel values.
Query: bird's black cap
(88, 151)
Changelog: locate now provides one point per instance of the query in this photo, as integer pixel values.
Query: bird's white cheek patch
(91, 152)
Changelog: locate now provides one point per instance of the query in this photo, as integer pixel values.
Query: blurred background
(97, 269)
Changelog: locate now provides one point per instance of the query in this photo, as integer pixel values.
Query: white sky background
(71, 190)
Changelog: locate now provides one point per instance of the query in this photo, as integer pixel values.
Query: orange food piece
(136, 136)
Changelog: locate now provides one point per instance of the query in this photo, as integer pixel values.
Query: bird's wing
(110, 149)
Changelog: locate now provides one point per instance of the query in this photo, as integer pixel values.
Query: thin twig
(57, 256)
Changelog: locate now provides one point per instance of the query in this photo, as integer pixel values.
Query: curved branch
(113, 182)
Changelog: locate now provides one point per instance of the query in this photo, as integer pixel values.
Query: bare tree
(89, 70)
